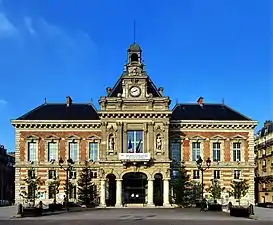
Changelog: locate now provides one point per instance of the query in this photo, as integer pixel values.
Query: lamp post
(202, 168)
(67, 168)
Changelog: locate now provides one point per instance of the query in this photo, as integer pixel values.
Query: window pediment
(238, 138)
(52, 137)
(93, 137)
(197, 138)
(32, 138)
(218, 138)
(73, 137)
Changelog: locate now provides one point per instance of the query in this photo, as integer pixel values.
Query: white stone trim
(67, 148)
(241, 141)
(47, 141)
(93, 139)
(222, 149)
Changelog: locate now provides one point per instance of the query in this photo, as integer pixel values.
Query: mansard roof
(151, 88)
(49, 111)
(206, 112)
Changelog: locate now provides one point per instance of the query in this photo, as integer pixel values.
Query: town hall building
(132, 142)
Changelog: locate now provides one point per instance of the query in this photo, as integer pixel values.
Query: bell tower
(135, 90)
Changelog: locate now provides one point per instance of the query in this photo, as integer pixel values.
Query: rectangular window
(196, 174)
(237, 152)
(73, 174)
(51, 192)
(94, 151)
(195, 150)
(216, 174)
(237, 174)
(135, 141)
(264, 163)
(73, 151)
(51, 174)
(216, 151)
(52, 151)
(31, 151)
(176, 151)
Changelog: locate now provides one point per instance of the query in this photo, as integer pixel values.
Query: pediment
(94, 137)
(52, 137)
(238, 137)
(197, 137)
(218, 137)
(32, 137)
(73, 137)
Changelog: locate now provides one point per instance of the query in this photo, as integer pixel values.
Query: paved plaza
(133, 216)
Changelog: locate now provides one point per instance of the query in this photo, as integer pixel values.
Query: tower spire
(134, 31)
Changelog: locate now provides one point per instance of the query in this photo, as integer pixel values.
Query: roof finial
(177, 101)
(134, 31)
(91, 100)
(223, 101)
(45, 101)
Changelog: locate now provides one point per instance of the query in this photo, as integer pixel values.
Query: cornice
(134, 114)
(56, 124)
(213, 124)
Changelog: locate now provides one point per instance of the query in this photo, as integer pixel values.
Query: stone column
(166, 194)
(102, 193)
(150, 193)
(119, 193)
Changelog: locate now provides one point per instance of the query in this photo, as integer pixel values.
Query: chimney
(68, 101)
(108, 90)
(267, 123)
(200, 101)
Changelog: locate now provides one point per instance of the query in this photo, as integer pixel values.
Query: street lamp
(67, 168)
(202, 168)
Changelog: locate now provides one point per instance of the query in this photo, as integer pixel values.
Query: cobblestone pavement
(119, 216)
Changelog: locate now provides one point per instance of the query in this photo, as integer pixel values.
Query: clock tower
(134, 90)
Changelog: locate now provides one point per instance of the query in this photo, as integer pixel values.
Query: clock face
(135, 91)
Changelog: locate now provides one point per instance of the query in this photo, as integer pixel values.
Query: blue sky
(215, 49)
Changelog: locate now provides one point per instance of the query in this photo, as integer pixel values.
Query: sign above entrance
(135, 156)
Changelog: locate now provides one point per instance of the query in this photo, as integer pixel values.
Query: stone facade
(264, 163)
(134, 104)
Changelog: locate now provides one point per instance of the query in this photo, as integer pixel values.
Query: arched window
(134, 57)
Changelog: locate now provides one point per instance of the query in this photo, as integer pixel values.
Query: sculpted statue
(111, 143)
(158, 142)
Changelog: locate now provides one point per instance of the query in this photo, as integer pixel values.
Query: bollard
(251, 209)
(20, 210)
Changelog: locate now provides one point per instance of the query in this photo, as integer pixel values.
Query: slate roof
(49, 111)
(151, 88)
(206, 112)
(269, 129)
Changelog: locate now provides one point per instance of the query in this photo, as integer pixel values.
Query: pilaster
(150, 193)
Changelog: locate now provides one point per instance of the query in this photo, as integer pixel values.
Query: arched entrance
(134, 188)
(110, 190)
(158, 189)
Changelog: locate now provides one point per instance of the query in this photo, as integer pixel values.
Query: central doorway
(134, 188)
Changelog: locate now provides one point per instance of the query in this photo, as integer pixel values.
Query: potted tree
(215, 190)
(30, 195)
(239, 190)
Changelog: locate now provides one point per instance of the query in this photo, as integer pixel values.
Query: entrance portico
(133, 189)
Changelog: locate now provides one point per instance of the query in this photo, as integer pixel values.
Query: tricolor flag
(138, 148)
(130, 147)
